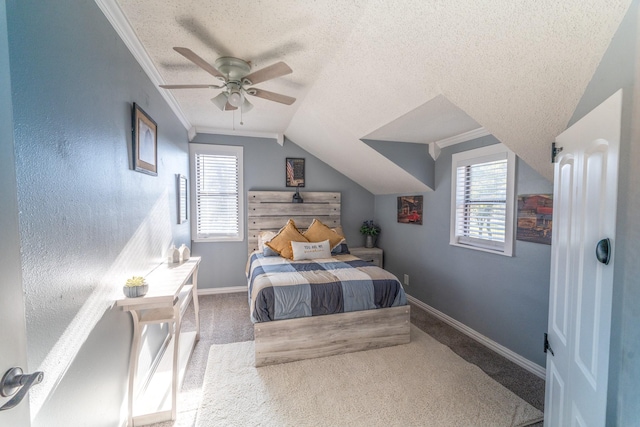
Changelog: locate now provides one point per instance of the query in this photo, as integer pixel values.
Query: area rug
(423, 383)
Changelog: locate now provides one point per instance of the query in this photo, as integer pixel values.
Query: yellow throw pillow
(281, 243)
(318, 232)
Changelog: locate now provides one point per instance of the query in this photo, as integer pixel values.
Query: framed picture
(410, 209)
(535, 218)
(181, 183)
(145, 142)
(294, 172)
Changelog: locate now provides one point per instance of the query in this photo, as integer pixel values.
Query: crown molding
(463, 137)
(279, 137)
(121, 24)
(434, 150)
(191, 133)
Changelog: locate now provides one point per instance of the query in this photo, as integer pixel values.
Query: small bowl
(135, 291)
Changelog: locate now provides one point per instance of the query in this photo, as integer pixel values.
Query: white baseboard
(227, 290)
(530, 366)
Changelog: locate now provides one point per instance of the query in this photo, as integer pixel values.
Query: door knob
(547, 347)
(603, 251)
(15, 381)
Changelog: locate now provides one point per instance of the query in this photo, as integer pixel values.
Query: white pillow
(310, 250)
(264, 237)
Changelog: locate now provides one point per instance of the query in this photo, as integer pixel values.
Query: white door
(585, 195)
(13, 345)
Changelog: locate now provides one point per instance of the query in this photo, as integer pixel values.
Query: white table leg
(133, 363)
(176, 355)
(196, 307)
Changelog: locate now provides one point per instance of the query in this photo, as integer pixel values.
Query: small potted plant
(135, 287)
(369, 229)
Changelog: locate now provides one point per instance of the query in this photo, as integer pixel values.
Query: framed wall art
(535, 218)
(145, 142)
(181, 184)
(410, 209)
(294, 172)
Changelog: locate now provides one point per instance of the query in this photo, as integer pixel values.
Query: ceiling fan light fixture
(246, 106)
(220, 100)
(236, 98)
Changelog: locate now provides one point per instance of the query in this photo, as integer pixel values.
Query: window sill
(477, 248)
(218, 240)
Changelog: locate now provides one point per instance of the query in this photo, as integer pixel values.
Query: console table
(166, 301)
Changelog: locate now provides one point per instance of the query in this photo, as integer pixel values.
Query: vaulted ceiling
(409, 71)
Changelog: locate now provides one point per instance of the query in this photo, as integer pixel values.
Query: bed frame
(319, 336)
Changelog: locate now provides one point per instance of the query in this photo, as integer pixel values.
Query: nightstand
(374, 255)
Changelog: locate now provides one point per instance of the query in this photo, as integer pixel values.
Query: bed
(365, 306)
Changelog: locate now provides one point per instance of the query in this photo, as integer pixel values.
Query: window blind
(481, 203)
(217, 178)
(482, 199)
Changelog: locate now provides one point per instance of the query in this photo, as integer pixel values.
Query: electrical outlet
(406, 280)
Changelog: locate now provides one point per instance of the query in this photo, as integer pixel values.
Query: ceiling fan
(236, 79)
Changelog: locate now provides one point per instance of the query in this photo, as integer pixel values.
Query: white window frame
(211, 149)
(484, 155)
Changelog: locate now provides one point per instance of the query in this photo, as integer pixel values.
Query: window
(217, 194)
(482, 199)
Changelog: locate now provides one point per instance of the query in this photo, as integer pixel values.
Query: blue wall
(264, 162)
(413, 158)
(503, 298)
(87, 221)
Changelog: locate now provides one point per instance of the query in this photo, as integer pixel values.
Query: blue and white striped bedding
(283, 289)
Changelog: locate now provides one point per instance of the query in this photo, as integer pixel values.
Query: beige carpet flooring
(224, 320)
(422, 383)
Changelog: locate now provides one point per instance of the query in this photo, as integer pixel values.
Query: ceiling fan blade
(191, 56)
(271, 96)
(271, 72)
(220, 101)
(186, 86)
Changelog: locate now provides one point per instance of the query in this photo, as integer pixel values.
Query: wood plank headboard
(270, 210)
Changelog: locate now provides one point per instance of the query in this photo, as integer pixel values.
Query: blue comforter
(283, 289)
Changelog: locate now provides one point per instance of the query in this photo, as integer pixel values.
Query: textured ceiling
(516, 68)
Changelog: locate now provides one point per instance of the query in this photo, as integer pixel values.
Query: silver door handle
(12, 381)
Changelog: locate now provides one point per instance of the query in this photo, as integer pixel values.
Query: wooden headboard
(270, 210)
